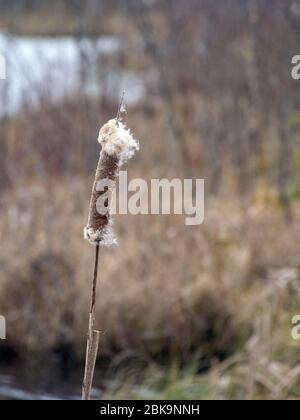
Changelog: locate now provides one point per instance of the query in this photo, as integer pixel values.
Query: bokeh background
(186, 312)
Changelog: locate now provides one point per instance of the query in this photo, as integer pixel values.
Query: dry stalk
(93, 337)
(117, 147)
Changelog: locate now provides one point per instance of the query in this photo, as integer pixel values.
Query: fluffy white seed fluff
(107, 236)
(116, 139)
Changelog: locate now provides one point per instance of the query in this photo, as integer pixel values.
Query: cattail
(118, 146)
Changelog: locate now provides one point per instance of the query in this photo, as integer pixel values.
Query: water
(42, 382)
(62, 66)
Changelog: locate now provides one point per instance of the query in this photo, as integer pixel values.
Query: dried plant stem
(118, 146)
(93, 338)
(120, 107)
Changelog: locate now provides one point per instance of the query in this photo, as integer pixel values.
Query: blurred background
(186, 312)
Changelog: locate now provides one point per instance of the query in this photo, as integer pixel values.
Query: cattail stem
(118, 146)
(95, 278)
(93, 337)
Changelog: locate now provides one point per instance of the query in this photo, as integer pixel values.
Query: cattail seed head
(118, 146)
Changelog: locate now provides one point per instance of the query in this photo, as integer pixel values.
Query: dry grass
(186, 313)
(225, 290)
(216, 299)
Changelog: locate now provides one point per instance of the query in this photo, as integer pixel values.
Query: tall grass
(230, 311)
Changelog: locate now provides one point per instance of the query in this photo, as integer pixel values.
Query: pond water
(60, 66)
(25, 382)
